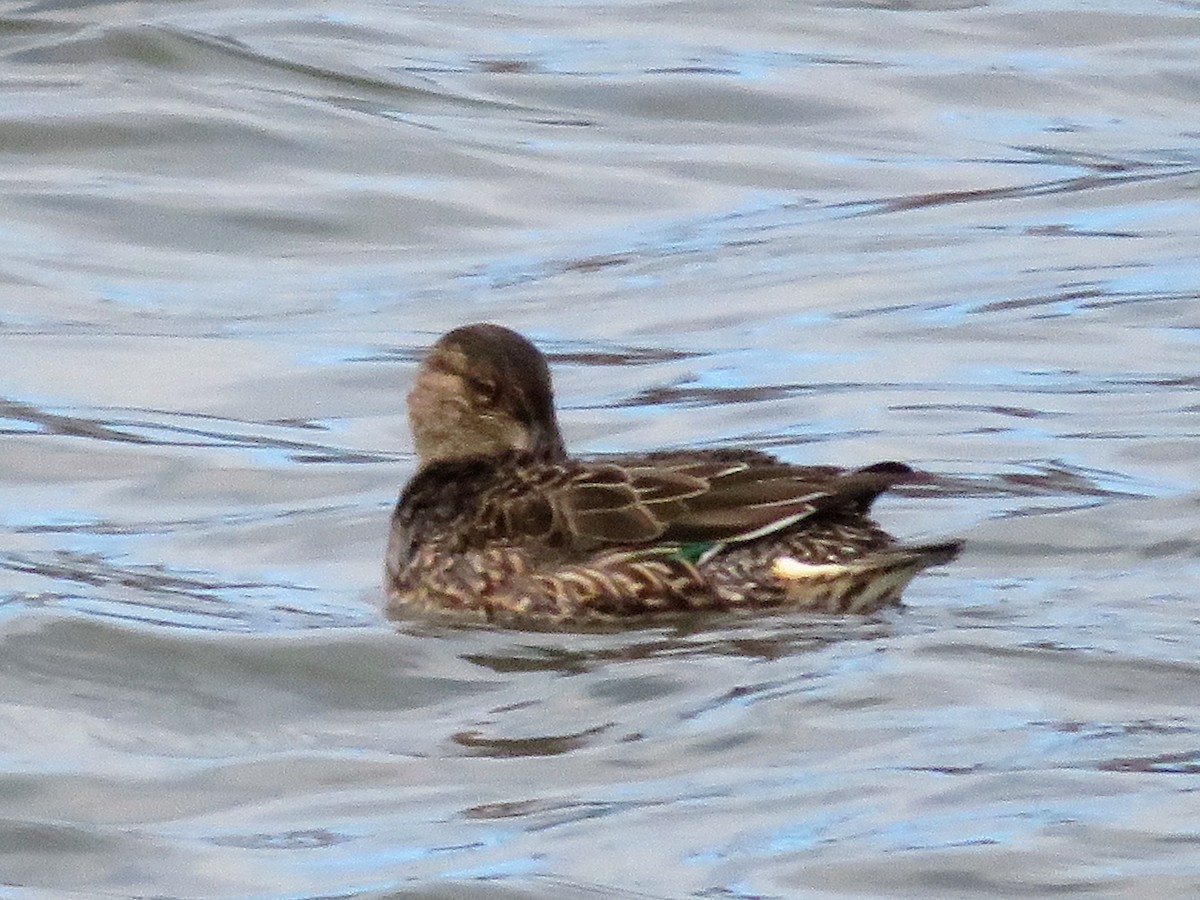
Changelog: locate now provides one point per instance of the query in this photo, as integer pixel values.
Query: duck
(499, 522)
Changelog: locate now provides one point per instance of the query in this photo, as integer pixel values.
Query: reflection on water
(228, 234)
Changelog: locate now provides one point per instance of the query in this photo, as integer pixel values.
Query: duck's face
(482, 391)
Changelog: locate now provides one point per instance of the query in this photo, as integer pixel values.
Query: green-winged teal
(500, 521)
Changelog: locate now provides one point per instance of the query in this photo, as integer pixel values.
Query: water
(959, 234)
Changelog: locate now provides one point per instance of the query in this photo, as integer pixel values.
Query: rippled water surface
(961, 234)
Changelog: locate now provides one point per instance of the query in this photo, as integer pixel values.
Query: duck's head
(483, 390)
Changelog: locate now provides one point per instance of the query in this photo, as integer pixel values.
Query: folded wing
(697, 498)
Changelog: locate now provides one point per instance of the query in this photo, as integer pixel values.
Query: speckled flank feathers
(500, 522)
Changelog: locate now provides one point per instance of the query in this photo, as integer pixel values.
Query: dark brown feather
(499, 520)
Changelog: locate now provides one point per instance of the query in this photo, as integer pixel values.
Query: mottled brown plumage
(500, 521)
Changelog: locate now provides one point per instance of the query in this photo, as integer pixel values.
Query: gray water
(965, 235)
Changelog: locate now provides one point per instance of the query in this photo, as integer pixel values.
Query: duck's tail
(860, 585)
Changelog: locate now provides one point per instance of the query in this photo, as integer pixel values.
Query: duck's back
(621, 535)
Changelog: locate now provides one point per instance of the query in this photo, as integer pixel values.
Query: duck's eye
(485, 389)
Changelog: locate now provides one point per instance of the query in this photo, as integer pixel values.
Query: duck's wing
(699, 499)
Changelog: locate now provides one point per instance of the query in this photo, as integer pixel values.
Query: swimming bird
(501, 522)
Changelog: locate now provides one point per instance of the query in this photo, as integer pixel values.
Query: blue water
(962, 235)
